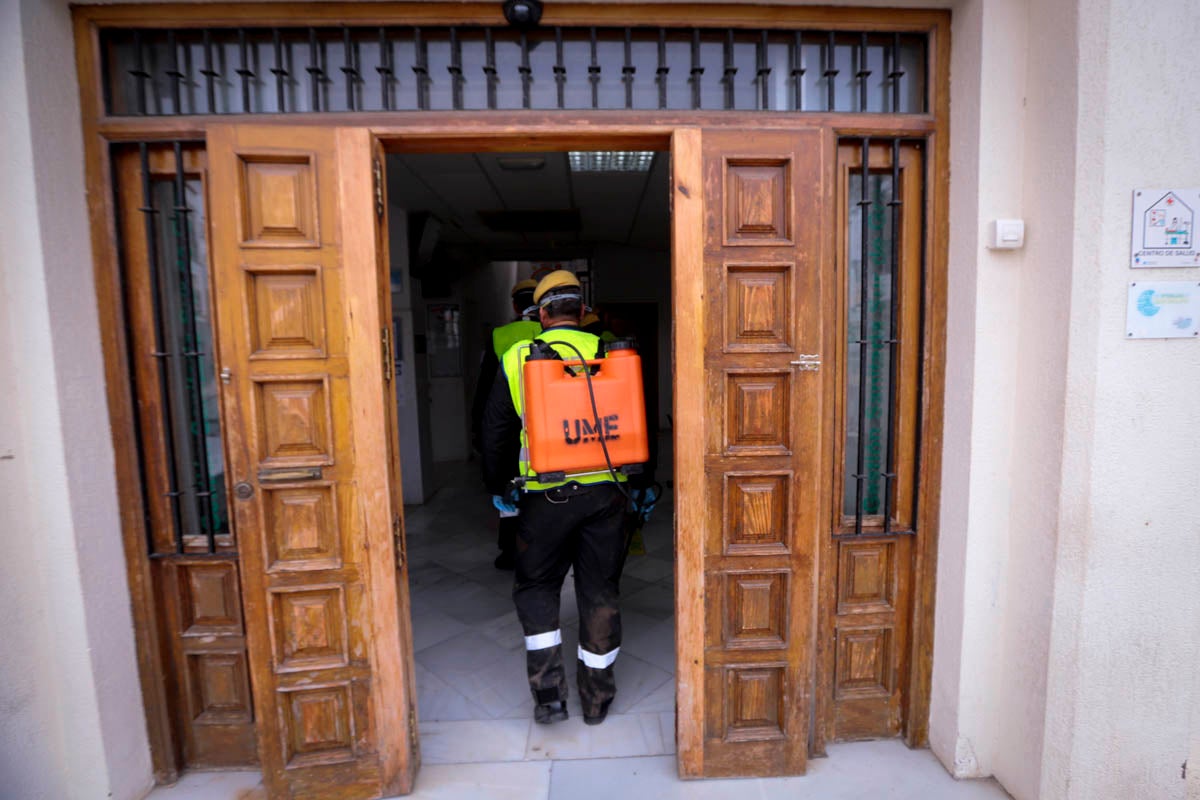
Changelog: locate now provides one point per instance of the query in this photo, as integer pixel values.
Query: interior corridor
(474, 700)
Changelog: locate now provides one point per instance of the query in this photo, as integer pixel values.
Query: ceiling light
(611, 160)
(521, 163)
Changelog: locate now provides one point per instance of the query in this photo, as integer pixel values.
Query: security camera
(523, 14)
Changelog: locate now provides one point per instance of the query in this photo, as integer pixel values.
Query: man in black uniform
(524, 327)
(561, 524)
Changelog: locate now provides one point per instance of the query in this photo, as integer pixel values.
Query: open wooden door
(295, 218)
(746, 242)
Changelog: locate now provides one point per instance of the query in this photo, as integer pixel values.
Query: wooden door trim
(513, 131)
(567, 14)
(688, 318)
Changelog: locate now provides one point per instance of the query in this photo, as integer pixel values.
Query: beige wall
(1068, 616)
(71, 722)
(1122, 702)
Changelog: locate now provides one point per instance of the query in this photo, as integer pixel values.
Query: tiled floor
(477, 736)
(470, 647)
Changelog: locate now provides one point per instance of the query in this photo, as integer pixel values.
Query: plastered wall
(71, 721)
(1122, 709)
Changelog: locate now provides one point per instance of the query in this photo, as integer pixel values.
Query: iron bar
(210, 75)
(762, 74)
(862, 74)
(456, 71)
(594, 71)
(628, 69)
(730, 71)
(660, 74)
(891, 469)
(896, 73)
(244, 70)
(279, 71)
(160, 352)
(139, 71)
(350, 68)
(315, 72)
(421, 69)
(864, 206)
(232, 59)
(386, 73)
(797, 69)
(560, 69)
(526, 72)
(489, 66)
(192, 355)
(173, 72)
(831, 72)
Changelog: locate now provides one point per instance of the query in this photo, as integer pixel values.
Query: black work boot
(598, 717)
(546, 713)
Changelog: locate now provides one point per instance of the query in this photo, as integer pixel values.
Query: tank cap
(620, 344)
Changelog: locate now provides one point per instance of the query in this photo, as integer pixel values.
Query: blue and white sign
(1164, 228)
(1163, 310)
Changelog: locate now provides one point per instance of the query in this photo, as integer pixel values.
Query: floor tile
(513, 781)
(656, 601)
(431, 627)
(439, 701)
(621, 735)
(473, 741)
(661, 699)
(636, 680)
(242, 785)
(654, 642)
(649, 568)
(465, 653)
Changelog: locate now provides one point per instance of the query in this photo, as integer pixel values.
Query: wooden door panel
(762, 448)
(300, 340)
(864, 669)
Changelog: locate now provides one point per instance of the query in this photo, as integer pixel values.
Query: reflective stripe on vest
(512, 363)
(505, 336)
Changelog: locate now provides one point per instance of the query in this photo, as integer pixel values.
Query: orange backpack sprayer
(584, 421)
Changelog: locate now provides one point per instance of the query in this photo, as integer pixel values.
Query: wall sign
(1164, 228)
(1163, 310)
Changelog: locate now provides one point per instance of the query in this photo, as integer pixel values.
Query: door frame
(465, 131)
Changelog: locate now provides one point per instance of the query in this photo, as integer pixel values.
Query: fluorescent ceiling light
(610, 160)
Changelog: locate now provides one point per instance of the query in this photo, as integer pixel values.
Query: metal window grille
(155, 72)
(185, 373)
(873, 381)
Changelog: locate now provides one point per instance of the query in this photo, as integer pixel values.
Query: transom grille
(302, 70)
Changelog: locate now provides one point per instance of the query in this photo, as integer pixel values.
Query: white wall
(1122, 703)
(71, 724)
(1068, 616)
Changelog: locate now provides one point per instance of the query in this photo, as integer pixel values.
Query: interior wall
(72, 724)
(640, 275)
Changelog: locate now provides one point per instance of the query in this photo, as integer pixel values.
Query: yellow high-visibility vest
(513, 363)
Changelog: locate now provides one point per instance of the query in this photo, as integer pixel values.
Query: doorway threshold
(855, 770)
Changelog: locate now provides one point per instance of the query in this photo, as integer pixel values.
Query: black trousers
(506, 535)
(576, 526)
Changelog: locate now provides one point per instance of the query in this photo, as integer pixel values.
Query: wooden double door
(300, 290)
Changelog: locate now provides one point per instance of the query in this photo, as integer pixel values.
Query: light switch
(1006, 234)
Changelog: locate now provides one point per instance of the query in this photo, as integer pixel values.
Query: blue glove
(504, 508)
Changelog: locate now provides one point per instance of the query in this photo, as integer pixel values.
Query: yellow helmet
(590, 318)
(527, 285)
(558, 279)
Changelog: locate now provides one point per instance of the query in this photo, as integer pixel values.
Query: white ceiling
(616, 207)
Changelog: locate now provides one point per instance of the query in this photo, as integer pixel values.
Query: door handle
(289, 475)
(808, 362)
